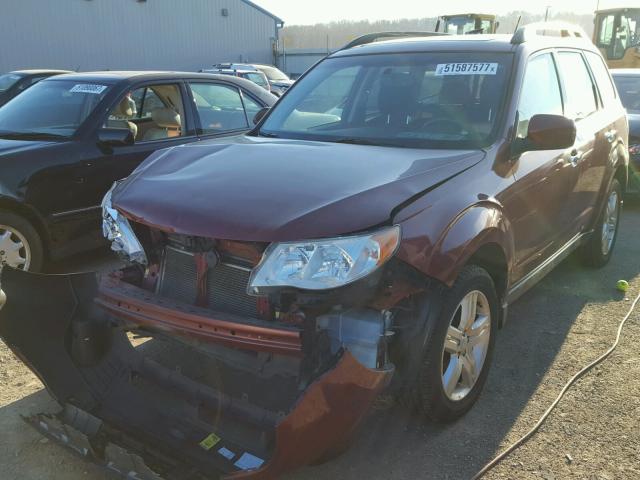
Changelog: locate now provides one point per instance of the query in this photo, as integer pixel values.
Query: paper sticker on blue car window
(467, 68)
(88, 88)
(248, 462)
(226, 453)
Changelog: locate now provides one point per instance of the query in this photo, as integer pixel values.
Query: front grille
(226, 284)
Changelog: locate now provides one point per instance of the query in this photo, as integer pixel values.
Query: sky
(306, 12)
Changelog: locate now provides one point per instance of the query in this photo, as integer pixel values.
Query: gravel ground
(565, 322)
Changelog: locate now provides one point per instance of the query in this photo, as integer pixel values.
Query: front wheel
(457, 357)
(597, 251)
(20, 244)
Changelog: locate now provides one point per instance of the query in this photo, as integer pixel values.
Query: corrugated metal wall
(129, 35)
(295, 62)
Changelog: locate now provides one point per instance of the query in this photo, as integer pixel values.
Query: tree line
(336, 34)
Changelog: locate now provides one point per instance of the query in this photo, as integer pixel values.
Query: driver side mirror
(547, 132)
(260, 115)
(115, 137)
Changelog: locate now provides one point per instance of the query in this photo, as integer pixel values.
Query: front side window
(420, 100)
(579, 90)
(629, 89)
(54, 108)
(219, 107)
(151, 113)
(540, 92)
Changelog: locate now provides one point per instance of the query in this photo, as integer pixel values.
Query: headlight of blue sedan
(118, 231)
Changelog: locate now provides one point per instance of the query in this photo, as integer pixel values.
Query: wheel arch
(482, 236)
(30, 214)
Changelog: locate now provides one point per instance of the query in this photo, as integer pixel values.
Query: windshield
(51, 108)
(274, 74)
(8, 80)
(422, 100)
(629, 90)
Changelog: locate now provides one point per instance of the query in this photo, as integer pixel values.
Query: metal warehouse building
(134, 34)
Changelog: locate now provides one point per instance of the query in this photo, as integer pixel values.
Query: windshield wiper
(31, 136)
(365, 141)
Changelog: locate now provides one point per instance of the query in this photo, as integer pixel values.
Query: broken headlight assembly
(326, 263)
(118, 231)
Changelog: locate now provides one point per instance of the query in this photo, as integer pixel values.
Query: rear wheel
(20, 244)
(457, 358)
(597, 251)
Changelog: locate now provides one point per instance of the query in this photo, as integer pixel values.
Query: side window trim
(243, 94)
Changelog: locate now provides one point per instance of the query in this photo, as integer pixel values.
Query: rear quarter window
(603, 79)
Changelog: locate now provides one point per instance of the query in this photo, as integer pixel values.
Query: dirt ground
(566, 321)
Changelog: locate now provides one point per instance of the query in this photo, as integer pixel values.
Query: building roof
(265, 11)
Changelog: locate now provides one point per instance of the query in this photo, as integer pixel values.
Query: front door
(539, 202)
(154, 114)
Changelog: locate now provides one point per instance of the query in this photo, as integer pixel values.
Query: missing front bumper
(127, 411)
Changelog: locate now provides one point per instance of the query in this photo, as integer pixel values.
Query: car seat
(167, 122)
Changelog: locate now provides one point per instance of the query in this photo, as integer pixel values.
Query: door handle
(574, 157)
(610, 135)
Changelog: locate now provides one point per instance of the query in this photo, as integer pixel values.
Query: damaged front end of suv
(208, 356)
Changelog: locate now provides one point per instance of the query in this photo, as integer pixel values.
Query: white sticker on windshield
(466, 69)
(88, 88)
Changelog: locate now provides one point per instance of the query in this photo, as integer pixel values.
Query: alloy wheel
(466, 345)
(610, 222)
(14, 248)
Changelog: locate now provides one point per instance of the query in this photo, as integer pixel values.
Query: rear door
(592, 149)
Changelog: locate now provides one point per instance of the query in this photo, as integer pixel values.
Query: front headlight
(324, 264)
(118, 231)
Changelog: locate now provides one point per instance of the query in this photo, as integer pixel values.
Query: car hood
(8, 147)
(257, 189)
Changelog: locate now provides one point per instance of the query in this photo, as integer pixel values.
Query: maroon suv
(369, 234)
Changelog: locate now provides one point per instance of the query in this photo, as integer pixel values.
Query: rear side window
(579, 91)
(600, 71)
(540, 92)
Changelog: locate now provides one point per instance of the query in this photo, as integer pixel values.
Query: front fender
(479, 225)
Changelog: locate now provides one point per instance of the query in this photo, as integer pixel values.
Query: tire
(21, 232)
(438, 365)
(599, 248)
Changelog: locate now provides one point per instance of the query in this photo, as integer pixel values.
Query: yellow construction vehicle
(465, 23)
(617, 35)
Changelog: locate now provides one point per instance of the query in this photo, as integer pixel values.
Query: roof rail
(548, 29)
(374, 37)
